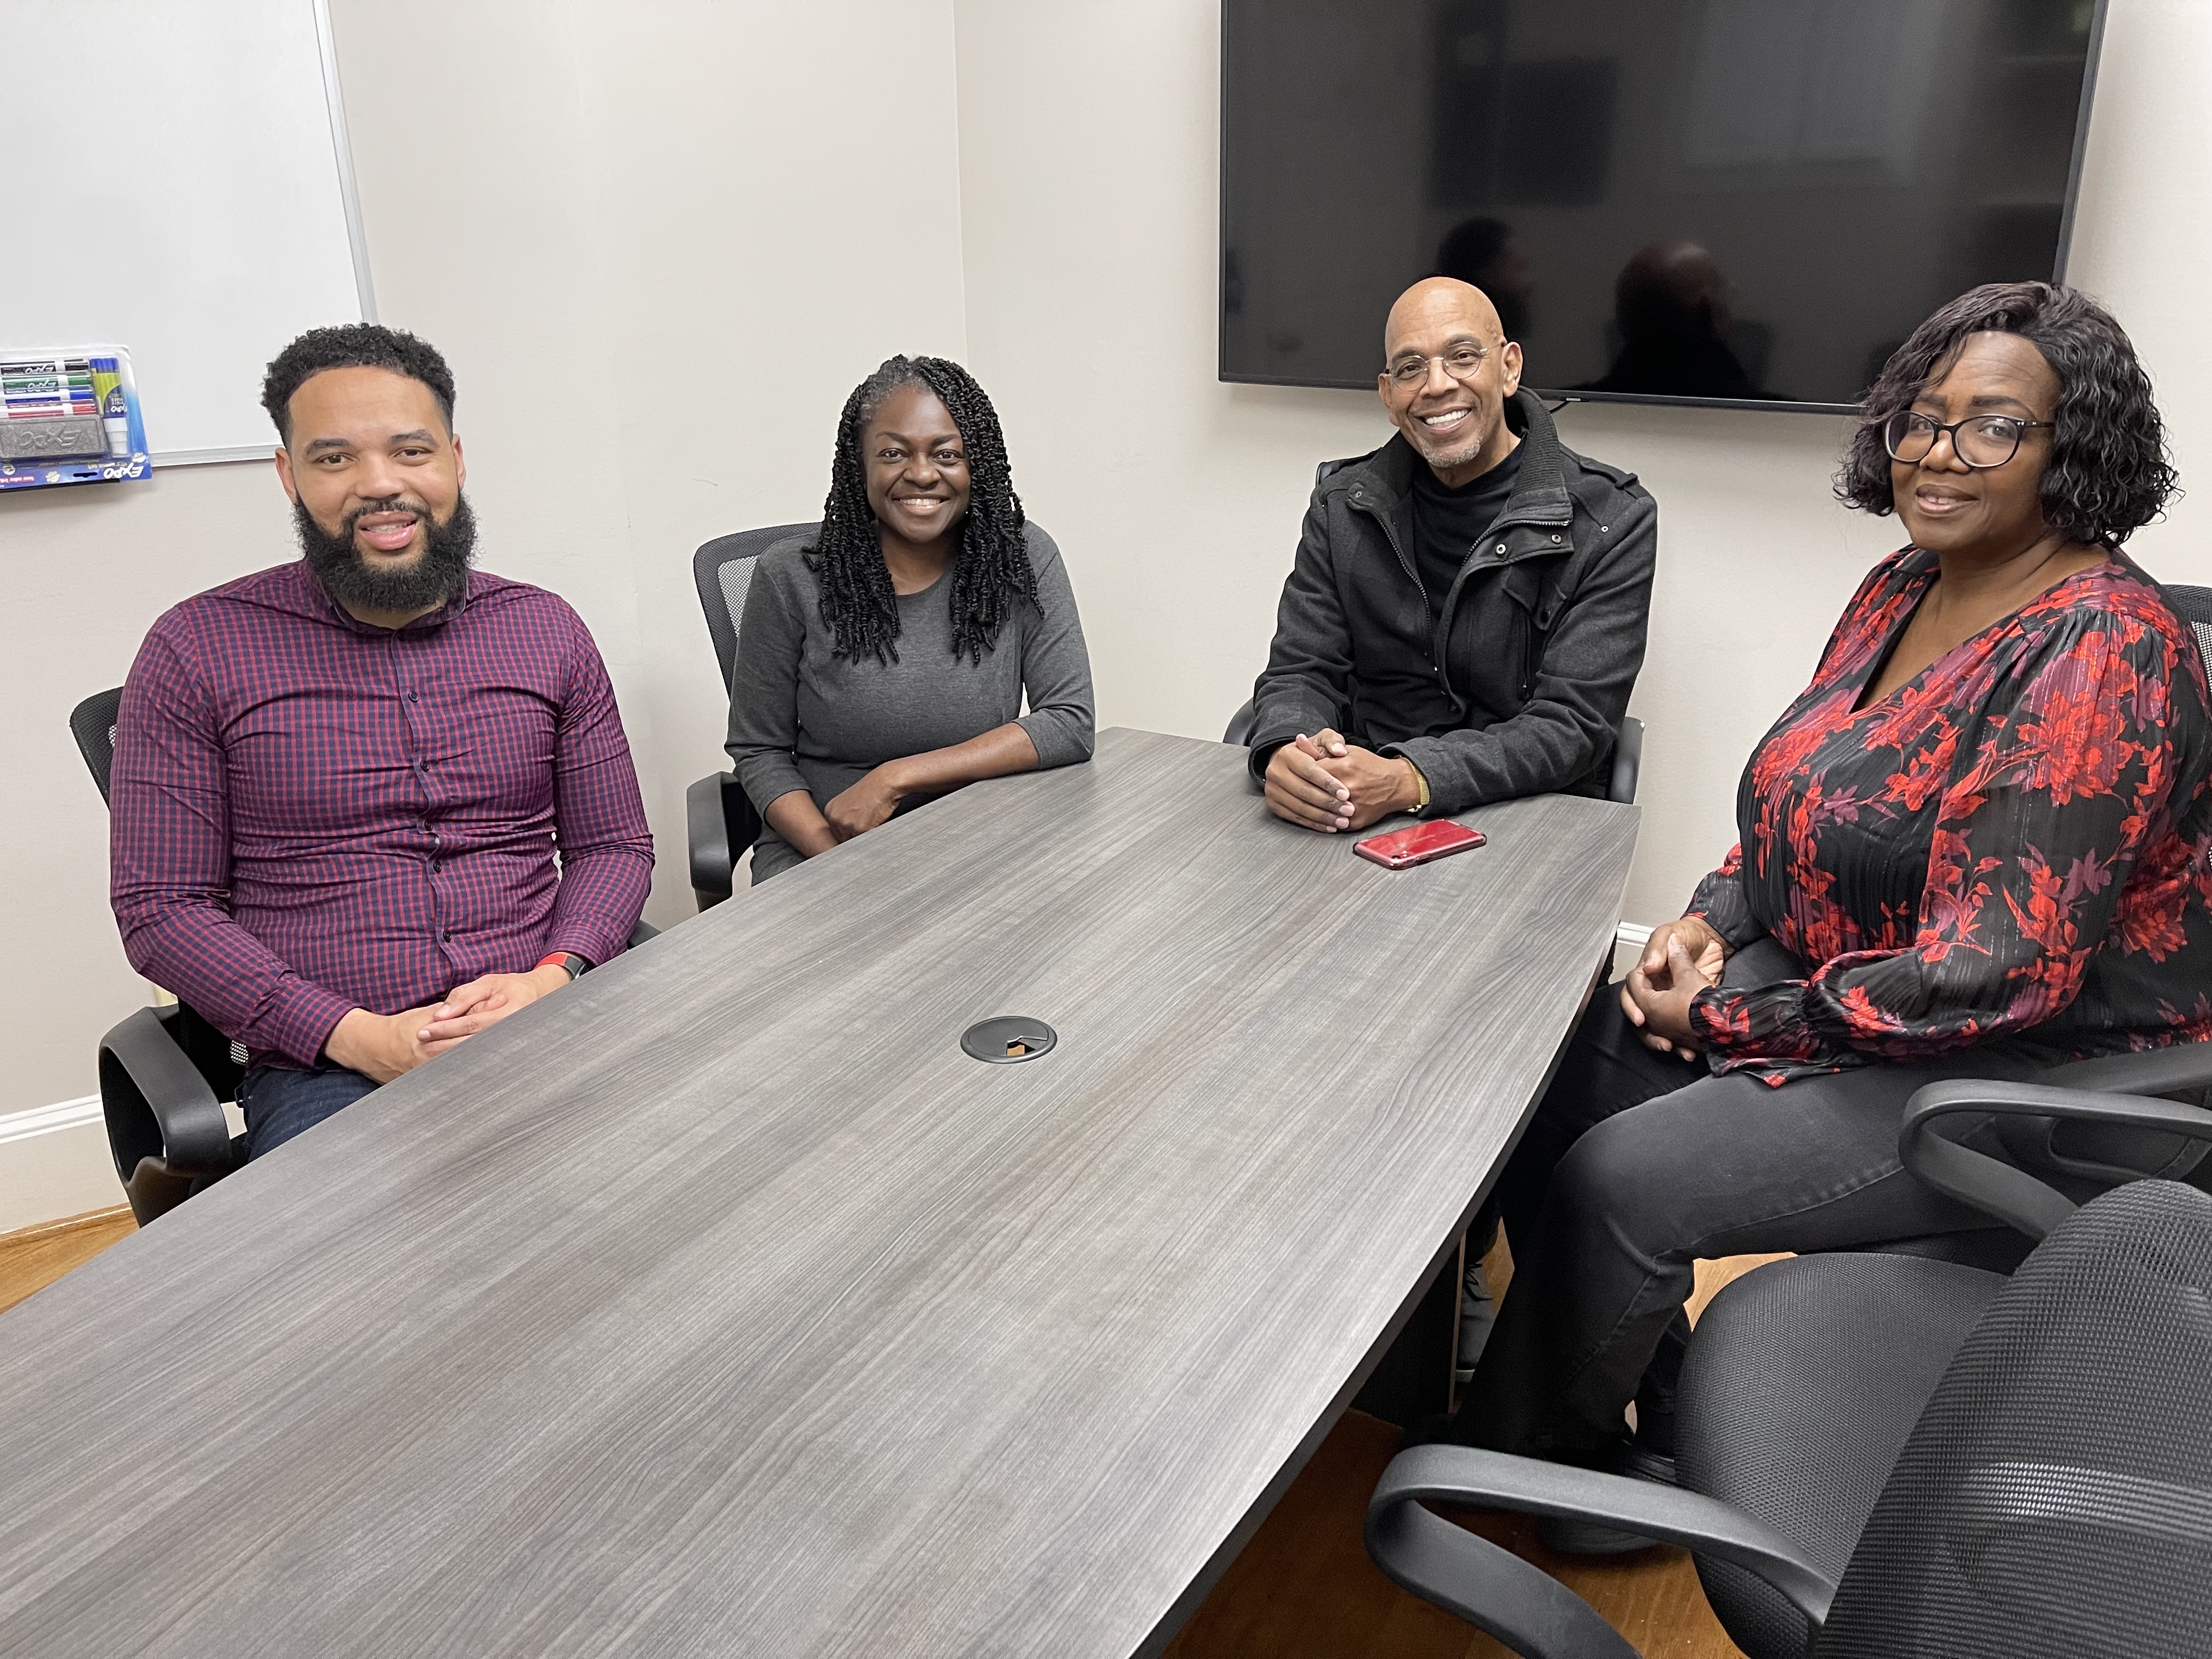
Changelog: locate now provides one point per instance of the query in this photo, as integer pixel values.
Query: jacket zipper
(1435, 638)
(1436, 635)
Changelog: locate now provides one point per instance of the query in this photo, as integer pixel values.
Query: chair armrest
(2151, 1072)
(2005, 1190)
(707, 830)
(1527, 1609)
(141, 1064)
(1240, 727)
(643, 931)
(721, 822)
(1627, 760)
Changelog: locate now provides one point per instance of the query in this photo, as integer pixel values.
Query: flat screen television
(1737, 201)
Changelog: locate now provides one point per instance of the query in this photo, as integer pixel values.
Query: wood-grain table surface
(721, 1304)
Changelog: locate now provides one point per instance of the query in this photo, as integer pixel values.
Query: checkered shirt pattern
(312, 815)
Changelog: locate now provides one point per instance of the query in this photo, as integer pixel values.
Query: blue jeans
(280, 1104)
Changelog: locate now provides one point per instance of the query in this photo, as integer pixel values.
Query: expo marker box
(70, 416)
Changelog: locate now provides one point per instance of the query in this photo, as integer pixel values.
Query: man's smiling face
(1454, 413)
(376, 474)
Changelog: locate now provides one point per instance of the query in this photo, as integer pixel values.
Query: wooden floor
(1304, 1587)
(32, 1259)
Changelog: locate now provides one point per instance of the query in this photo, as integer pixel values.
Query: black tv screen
(1732, 200)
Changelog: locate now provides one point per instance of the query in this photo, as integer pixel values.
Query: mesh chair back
(92, 723)
(723, 570)
(2194, 606)
(2056, 1496)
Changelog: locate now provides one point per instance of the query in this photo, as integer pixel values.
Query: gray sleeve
(1062, 721)
(764, 687)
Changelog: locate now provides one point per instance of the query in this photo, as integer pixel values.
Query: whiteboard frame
(356, 237)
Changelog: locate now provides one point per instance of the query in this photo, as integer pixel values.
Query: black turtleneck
(1448, 522)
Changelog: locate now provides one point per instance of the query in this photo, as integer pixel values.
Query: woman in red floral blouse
(1977, 844)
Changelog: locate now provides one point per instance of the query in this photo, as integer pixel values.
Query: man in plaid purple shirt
(340, 785)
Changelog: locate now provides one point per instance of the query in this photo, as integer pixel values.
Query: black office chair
(165, 1073)
(2194, 606)
(720, 820)
(1883, 1454)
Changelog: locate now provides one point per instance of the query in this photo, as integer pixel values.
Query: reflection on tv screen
(1742, 200)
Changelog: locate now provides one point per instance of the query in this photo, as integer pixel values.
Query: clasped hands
(1681, 959)
(382, 1047)
(866, 806)
(1325, 783)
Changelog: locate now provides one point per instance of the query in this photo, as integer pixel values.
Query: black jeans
(1637, 1163)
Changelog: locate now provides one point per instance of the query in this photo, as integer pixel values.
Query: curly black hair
(991, 571)
(2109, 472)
(353, 345)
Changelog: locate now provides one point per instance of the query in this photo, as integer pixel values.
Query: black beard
(432, 579)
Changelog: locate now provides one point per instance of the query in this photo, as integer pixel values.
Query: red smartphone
(1401, 849)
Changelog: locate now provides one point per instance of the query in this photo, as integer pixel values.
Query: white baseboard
(54, 1163)
(1632, 932)
(44, 1120)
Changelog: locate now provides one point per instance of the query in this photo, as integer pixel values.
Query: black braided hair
(991, 571)
(2109, 472)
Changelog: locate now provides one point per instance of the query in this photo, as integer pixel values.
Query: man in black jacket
(1467, 614)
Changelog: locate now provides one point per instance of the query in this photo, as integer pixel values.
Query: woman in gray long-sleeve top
(886, 662)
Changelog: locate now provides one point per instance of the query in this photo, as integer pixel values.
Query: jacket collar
(1540, 493)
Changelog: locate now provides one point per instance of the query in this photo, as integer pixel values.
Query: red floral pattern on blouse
(2015, 845)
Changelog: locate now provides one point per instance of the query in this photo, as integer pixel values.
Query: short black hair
(2109, 473)
(353, 345)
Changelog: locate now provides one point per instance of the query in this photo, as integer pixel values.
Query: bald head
(1672, 289)
(1441, 303)
(1448, 370)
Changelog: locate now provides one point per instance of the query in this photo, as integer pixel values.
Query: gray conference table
(722, 1304)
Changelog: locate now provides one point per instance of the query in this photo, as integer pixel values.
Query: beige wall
(753, 204)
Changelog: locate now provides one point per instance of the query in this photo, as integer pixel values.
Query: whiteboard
(180, 185)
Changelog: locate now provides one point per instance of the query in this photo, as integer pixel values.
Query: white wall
(739, 209)
(580, 201)
(1089, 133)
(84, 572)
(760, 201)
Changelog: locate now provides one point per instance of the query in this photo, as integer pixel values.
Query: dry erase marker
(114, 413)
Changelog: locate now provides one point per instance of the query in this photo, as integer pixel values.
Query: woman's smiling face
(916, 466)
(1946, 505)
